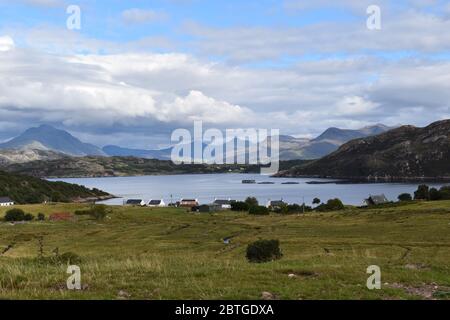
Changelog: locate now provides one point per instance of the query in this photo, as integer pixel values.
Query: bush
(15, 215)
(316, 201)
(28, 217)
(331, 205)
(41, 216)
(292, 209)
(263, 251)
(239, 206)
(405, 197)
(252, 202)
(259, 211)
(69, 258)
(422, 193)
(98, 212)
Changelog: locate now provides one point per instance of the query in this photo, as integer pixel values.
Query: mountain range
(406, 152)
(48, 143)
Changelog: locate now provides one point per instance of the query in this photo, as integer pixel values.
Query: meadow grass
(168, 253)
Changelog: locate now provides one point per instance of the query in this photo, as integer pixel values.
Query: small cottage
(135, 202)
(6, 202)
(156, 203)
(276, 204)
(188, 203)
(376, 200)
(225, 204)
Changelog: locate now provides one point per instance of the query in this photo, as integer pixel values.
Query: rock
(292, 275)
(267, 296)
(122, 294)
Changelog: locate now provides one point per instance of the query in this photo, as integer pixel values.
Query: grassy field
(143, 253)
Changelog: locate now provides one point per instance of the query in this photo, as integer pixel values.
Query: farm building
(376, 200)
(6, 202)
(225, 204)
(276, 204)
(135, 202)
(188, 203)
(156, 203)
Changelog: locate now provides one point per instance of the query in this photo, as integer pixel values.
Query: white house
(135, 202)
(225, 204)
(156, 203)
(6, 202)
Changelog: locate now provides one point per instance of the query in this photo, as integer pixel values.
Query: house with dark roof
(274, 204)
(6, 202)
(135, 202)
(225, 204)
(376, 200)
(156, 203)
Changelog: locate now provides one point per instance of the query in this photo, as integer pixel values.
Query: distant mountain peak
(47, 137)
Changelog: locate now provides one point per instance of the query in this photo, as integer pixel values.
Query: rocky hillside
(404, 153)
(24, 189)
(27, 155)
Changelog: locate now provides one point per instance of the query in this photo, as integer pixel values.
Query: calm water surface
(208, 187)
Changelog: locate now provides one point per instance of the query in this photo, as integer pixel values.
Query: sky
(137, 70)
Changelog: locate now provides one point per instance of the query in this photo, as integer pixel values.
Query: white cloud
(140, 16)
(6, 43)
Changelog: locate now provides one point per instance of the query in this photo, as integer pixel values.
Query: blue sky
(140, 68)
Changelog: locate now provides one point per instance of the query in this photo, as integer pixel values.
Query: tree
(405, 197)
(422, 193)
(316, 201)
(434, 194)
(445, 193)
(252, 202)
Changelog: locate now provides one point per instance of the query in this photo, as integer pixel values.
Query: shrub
(98, 212)
(331, 205)
(258, 211)
(292, 209)
(316, 201)
(69, 258)
(239, 206)
(15, 215)
(28, 217)
(41, 216)
(252, 202)
(422, 193)
(263, 251)
(405, 197)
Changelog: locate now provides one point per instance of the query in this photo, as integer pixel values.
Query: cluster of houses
(194, 205)
(225, 204)
(190, 203)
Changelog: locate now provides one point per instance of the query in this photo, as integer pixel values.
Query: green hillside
(25, 189)
(144, 253)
